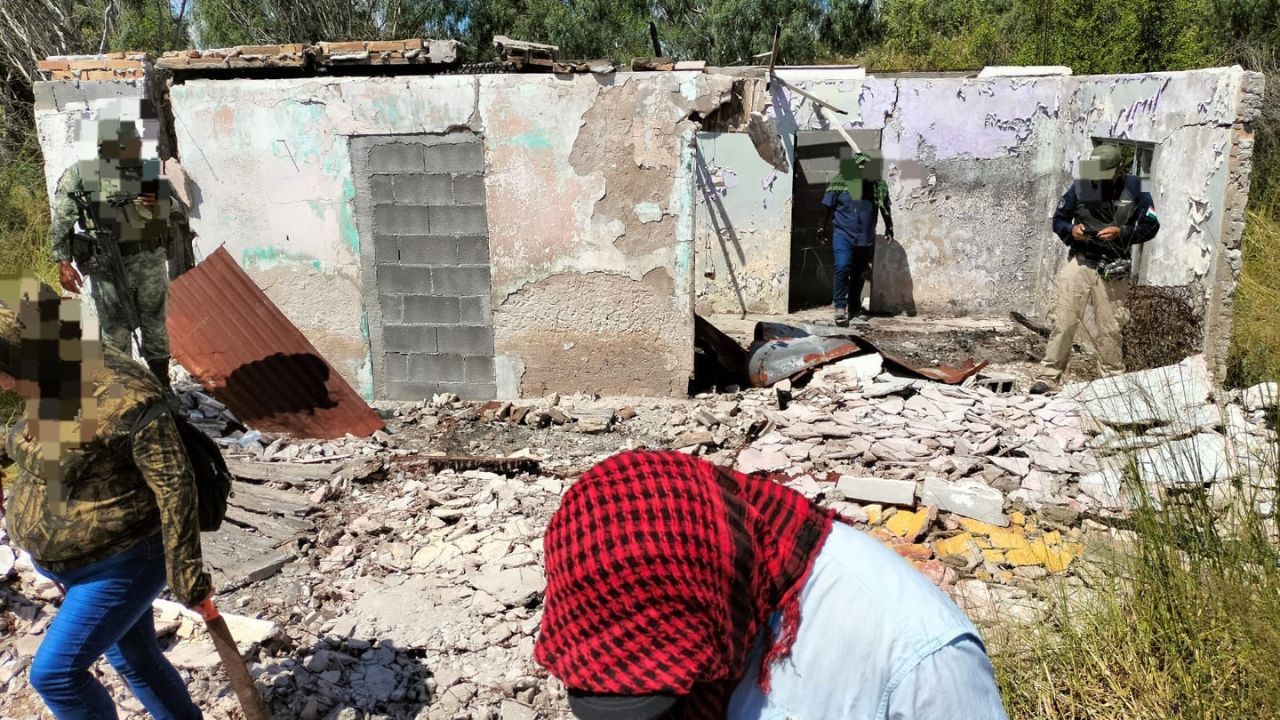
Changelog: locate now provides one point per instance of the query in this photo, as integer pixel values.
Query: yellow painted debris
(909, 525)
(1017, 518)
(977, 527)
(993, 556)
(1052, 537)
(875, 513)
(958, 546)
(1038, 553)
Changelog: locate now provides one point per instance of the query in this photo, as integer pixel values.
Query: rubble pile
(418, 592)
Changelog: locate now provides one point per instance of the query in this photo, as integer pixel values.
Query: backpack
(213, 479)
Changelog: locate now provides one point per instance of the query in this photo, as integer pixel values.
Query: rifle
(104, 256)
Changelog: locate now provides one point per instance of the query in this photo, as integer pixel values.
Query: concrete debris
(1160, 396)
(968, 498)
(402, 571)
(878, 490)
(1263, 396)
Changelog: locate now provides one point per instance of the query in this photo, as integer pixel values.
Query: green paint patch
(533, 140)
(269, 257)
(347, 216)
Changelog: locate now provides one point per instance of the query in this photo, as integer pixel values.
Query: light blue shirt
(877, 641)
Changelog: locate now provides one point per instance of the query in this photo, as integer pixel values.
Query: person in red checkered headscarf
(680, 589)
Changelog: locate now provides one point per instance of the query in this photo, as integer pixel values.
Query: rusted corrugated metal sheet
(786, 351)
(237, 344)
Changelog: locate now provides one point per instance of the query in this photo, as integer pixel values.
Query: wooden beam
(814, 98)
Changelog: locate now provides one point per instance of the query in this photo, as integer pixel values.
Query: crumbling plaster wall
(589, 186)
(977, 166)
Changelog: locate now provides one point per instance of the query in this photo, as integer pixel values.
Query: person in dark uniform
(852, 201)
(1102, 215)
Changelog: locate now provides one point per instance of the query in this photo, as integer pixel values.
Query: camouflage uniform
(116, 489)
(144, 235)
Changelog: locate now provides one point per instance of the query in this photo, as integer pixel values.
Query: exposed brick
(473, 250)
(429, 310)
(124, 65)
(423, 190)
(459, 220)
(465, 340)
(409, 338)
(63, 75)
(117, 55)
(464, 158)
(403, 279)
(51, 65)
(392, 309)
(382, 188)
(479, 369)
(413, 44)
(396, 367)
(98, 75)
(468, 189)
(386, 249)
(474, 311)
(386, 46)
(400, 219)
(334, 48)
(460, 281)
(90, 64)
(395, 158)
(437, 368)
(429, 250)
(271, 50)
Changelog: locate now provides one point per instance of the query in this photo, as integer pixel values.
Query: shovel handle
(233, 663)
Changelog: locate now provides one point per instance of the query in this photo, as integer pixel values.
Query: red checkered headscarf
(662, 570)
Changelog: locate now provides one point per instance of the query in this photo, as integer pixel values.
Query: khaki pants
(1077, 285)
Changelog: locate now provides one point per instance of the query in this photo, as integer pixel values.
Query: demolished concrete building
(436, 228)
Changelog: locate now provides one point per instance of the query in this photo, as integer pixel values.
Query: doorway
(817, 155)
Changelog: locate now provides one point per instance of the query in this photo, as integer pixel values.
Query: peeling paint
(648, 212)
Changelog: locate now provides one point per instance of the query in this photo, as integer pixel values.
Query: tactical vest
(1098, 206)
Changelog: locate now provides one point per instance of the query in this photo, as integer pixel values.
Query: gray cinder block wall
(420, 201)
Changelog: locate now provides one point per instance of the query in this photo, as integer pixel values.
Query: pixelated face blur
(120, 142)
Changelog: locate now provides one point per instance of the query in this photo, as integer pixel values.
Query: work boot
(842, 317)
(160, 368)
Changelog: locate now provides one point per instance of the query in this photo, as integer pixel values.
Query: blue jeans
(107, 609)
(853, 265)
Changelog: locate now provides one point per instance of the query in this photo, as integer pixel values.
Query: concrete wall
(599, 194)
(976, 168)
(589, 192)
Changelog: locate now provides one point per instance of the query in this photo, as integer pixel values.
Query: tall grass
(24, 226)
(1184, 622)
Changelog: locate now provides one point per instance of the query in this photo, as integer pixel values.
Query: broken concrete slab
(1160, 396)
(1263, 396)
(969, 498)
(1197, 460)
(194, 649)
(877, 490)
(768, 458)
(513, 587)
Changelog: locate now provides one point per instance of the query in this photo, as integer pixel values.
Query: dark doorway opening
(817, 159)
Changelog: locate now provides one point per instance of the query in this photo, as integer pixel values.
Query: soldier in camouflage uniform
(105, 508)
(140, 210)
